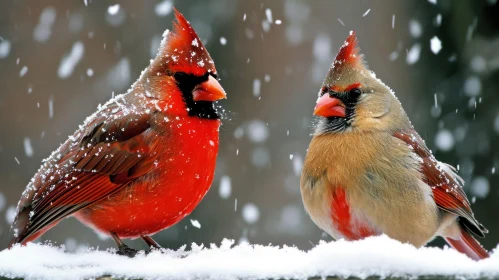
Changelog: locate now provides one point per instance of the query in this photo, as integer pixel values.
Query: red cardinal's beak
(210, 90)
(328, 106)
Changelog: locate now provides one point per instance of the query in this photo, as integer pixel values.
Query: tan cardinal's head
(183, 75)
(353, 99)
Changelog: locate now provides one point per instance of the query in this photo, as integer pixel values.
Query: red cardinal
(142, 162)
(368, 172)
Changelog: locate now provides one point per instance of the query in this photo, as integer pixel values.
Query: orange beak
(210, 90)
(328, 106)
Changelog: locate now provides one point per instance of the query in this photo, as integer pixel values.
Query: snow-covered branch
(376, 256)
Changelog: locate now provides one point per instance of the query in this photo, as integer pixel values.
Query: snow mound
(375, 256)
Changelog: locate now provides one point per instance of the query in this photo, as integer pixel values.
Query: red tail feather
(468, 245)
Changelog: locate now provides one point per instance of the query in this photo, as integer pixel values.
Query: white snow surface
(374, 256)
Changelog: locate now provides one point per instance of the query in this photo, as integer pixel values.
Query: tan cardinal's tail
(468, 245)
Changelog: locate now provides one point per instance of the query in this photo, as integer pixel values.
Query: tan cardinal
(368, 172)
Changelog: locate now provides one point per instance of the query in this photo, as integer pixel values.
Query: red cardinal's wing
(102, 157)
(446, 185)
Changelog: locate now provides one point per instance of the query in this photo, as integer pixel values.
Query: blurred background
(60, 59)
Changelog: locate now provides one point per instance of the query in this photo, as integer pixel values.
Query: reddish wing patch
(341, 213)
(109, 154)
(447, 191)
(342, 219)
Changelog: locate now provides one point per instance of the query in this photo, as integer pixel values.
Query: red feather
(337, 88)
(348, 227)
(349, 53)
(184, 50)
(341, 213)
(137, 166)
(447, 191)
(468, 245)
(348, 58)
(449, 196)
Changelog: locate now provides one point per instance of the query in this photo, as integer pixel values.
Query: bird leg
(150, 242)
(123, 249)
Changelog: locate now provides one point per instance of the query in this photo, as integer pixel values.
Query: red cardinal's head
(351, 95)
(183, 75)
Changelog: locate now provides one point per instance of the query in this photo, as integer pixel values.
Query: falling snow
(51, 108)
(472, 86)
(322, 48)
(69, 62)
(297, 161)
(444, 140)
(10, 214)
(28, 149)
(195, 223)
(4, 48)
(415, 28)
(163, 8)
(225, 188)
(413, 54)
(43, 30)
(257, 85)
(438, 20)
(223, 41)
(250, 213)
(480, 187)
(23, 71)
(113, 9)
(478, 64)
(435, 45)
(268, 15)
(257, 131)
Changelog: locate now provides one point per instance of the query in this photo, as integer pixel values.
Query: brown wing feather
(445, 183)
(100, 159)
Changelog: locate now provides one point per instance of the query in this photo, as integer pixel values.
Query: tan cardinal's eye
(355, 92)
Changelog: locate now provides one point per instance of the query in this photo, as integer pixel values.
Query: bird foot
(153, 249)
(124, 250)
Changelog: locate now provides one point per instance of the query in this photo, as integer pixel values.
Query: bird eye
(356, 92)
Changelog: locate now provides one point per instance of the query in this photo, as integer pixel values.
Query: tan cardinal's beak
(210, 90)
(328, 106)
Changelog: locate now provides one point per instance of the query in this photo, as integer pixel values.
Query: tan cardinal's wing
(446, 185)
(102, 157)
